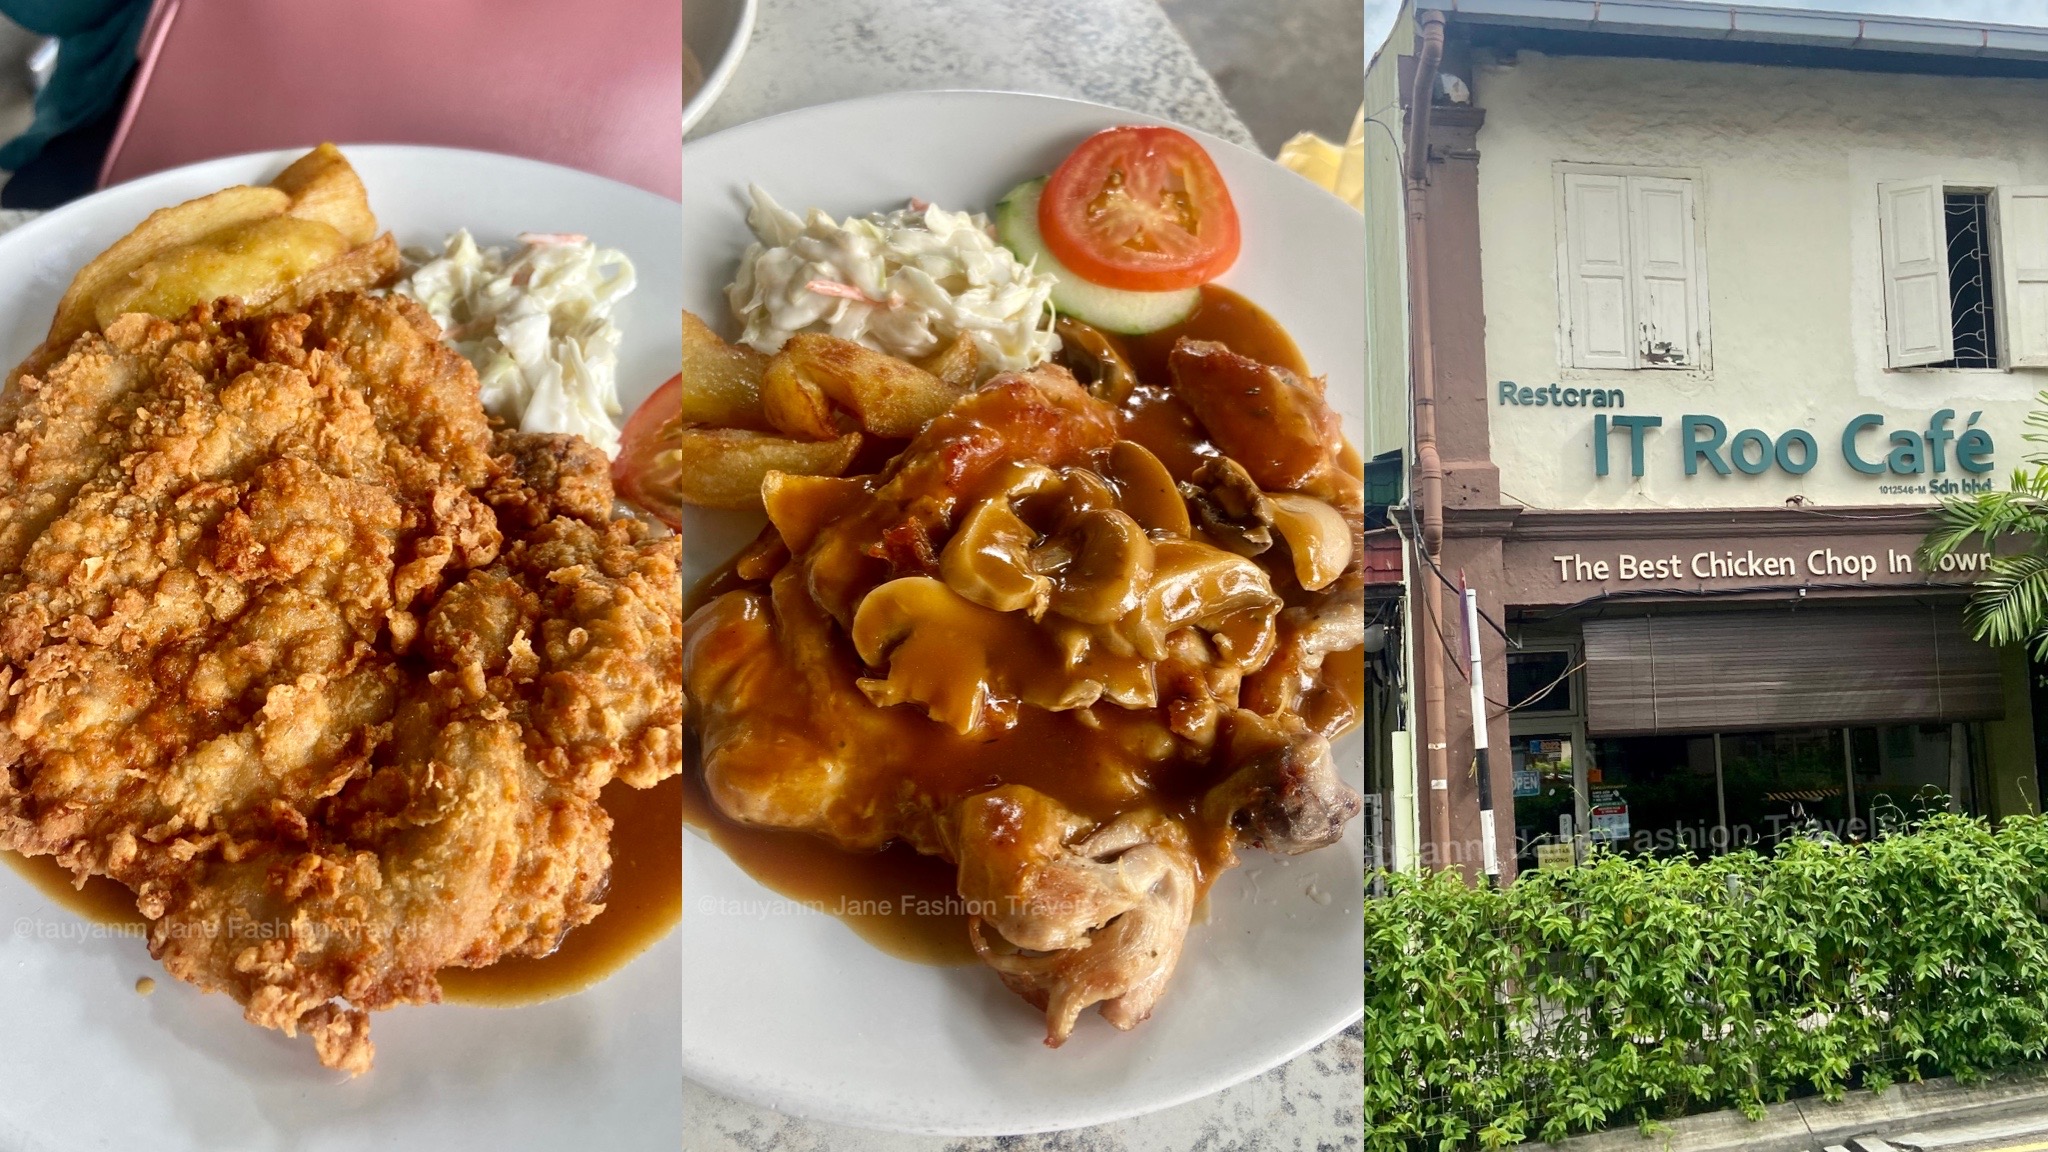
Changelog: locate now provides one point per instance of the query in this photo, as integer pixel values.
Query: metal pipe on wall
(1429, 472)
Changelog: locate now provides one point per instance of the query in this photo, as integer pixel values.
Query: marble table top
(1313, 1103)
(1120, 52)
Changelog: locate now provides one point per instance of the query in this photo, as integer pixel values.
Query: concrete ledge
(1801, 1125)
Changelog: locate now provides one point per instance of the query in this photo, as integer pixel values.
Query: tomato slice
(1140, 209)
(649, 470)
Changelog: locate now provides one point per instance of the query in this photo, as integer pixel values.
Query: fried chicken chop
(324, 668)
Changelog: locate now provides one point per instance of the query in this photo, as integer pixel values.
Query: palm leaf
(2019, 512)
(2010, 603)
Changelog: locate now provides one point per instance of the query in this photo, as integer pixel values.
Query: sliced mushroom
(1229, 507)
(1285, 796)
(1094, 361)
(1101, 562)
(1333, 621)
(1070, 923)
(1083, 648)
(1196, 585)
(970, 667)
(1078, 490)
(989, 561)
(1316, 534)
(1145, 489)
(1330, 624)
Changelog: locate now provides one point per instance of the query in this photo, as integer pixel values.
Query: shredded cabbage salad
(906, 283)
(536, 325)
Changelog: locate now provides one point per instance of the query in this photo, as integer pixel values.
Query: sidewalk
(1987, 1112)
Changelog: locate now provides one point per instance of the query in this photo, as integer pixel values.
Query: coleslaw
(907, 283)
(536, 325)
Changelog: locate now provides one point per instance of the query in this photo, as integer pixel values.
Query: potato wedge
(724, 467)
(887, 396)
(253, 261)
(373, 265)
(164, 230)
(958, 363)
(795, 405)
(721, 382)
(324, 186)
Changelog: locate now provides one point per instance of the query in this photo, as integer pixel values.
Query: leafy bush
(1633, 990)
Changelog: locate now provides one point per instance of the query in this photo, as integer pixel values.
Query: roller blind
(1814, 667)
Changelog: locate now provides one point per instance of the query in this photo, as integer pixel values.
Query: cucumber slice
(1110, 309)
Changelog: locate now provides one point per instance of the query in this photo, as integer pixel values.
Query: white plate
(716, 32)
(793, 1010)
(86, 1063)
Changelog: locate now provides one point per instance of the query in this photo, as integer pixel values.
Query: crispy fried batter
(328, 672)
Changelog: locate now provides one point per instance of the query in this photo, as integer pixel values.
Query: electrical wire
(1431, 562)
(1535, 696)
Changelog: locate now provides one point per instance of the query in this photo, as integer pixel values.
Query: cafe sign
(1942, 454)
(1826, 563)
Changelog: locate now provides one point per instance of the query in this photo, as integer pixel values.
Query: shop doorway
(1706, 793)
(1547, 731)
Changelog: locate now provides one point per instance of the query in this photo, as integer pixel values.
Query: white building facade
(1721, 304)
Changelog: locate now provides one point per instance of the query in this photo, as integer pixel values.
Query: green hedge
(1634, 990)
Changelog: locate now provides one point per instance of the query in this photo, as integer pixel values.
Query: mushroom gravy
(1101, 761)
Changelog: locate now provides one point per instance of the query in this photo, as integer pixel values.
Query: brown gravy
(904, 903)
(900, 902)
(1222, 316)
(1154, 416)
(644, 904)
(101, 900)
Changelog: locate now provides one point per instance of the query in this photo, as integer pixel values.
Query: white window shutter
(1598, 301)
(2023, 274)
(1666, 292)
(1914, 234)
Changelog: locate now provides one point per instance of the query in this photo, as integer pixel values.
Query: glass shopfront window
(1546, 799)
(1705, 794)
(1665, 784)
(1778, 782)
(1746, 725)
(1904, 768)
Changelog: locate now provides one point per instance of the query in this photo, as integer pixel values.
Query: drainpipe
(1429, 468)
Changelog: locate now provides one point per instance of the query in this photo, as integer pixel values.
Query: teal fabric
(95, 51)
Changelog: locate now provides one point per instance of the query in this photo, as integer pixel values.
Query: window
(1965, 275)
(1540, 681)
(1632, 278)
(1973, 317)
